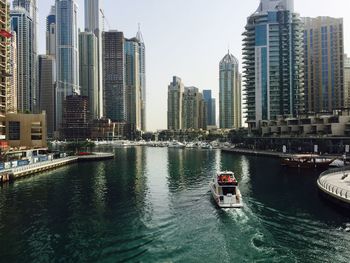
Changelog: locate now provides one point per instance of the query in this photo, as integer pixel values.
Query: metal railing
(335, 190)
(41, 164)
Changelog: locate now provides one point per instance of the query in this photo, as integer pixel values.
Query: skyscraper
(142, 56)
(193, 109)
(31, 7)
(132, 82)
(211, 107)
(12, 94)
(5, 38)
(323, 64)
(93, 24)
(47, 75)
(23, 24)
(88, 71)
(47, 91)
(113, 56)
(175, 94)
(230, 93)
(51, 32)
(66, 54)
(346, 81)
(272, 62)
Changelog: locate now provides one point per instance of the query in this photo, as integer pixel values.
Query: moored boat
(176, 144)
(224, 188)
(307, 161)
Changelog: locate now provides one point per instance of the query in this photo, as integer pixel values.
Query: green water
(154, 205)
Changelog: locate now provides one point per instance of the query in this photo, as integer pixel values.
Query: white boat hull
(228, 201)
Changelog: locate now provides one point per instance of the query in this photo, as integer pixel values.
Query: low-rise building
(323, 124)
(26, 130)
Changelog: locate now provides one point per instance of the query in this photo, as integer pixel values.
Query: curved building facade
(273, 62)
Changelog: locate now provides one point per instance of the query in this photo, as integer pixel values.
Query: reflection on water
(154, 205)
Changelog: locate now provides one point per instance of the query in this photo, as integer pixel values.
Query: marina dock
(335, 184)
(22, 171)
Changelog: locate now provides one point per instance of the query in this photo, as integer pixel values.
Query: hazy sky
(188, 38)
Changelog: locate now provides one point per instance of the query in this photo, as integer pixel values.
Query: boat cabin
(227, 179)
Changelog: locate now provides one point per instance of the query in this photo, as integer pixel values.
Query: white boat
(176, 144)
(205, 146)
(224, 188)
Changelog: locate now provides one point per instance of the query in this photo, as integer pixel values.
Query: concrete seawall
(19, 172)
(253, 152)
(335, 184)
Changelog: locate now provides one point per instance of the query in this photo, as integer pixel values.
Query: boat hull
(228, 201)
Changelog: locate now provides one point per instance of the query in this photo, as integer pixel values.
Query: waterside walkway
(253, 152)
(335, 184)
(22, 171)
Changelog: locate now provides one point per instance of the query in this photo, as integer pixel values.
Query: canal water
(154, 205)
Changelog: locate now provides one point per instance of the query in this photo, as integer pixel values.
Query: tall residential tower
(66, 54)
(93, 25)
(273, 62)
(88, 71)
(113, 62)
(230, 93)
(323, 64)
(175, 95)
(23, 24)
(211, 107)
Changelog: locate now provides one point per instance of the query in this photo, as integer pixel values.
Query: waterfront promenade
(274, 154)
(22, 171)
(336, 185)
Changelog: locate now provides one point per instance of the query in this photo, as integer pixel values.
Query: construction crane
(104, 19)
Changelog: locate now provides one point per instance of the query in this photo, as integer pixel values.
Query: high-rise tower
(88, 71)
(346, 81)
(230, 93)
(93, 25)
(132, 82)
(31, 8)
(175, 100)
(22, 24)
(142, 58)
(211, 107)
(51, 33)
(66, 54)
(114, 92)
(323, 64)
(272, 62)
(5, 38)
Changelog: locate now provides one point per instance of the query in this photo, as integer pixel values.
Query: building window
(36, 131)
(14, 131)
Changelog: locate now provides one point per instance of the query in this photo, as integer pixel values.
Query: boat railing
(336, 190)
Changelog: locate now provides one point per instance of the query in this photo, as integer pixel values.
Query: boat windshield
(229, 190)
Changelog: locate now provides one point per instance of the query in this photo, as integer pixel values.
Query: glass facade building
(93, 25)
(113, 62)
(66, 54)
(273, 62)
(142, 58)
(132, 81)
(211, 107)
(323, 64)
(230, 93)
(22, 24)
(88, 71)
(175, 94)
